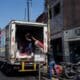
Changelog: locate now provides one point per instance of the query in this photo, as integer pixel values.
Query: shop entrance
(74, 49)
(57, 50)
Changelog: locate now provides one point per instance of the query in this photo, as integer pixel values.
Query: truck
(12, 37)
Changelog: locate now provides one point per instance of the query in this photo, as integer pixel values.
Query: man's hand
(34, 38)
(28, 39)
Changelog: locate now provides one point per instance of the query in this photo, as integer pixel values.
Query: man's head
(27, 35)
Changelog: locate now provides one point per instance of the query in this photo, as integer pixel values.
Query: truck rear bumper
(28, 67)
(23, 67)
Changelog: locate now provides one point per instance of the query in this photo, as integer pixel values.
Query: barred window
(56, 9)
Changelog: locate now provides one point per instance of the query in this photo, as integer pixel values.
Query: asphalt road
(23, 76)
(17, 76)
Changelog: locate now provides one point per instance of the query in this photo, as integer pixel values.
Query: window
(56, 9)
(50, 12)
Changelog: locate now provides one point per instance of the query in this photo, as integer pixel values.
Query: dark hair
(28, 34)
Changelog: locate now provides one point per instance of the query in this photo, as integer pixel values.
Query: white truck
(12, 36)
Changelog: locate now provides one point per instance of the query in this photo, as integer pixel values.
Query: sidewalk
(44, 78)
(45, 75)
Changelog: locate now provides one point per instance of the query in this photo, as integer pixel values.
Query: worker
(38, 43)
(29, 42)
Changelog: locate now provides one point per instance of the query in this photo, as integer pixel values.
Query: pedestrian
(51, 63)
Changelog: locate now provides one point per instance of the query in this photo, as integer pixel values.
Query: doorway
(74, 49)
(57, 50)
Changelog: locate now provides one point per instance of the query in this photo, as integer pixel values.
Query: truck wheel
(8, 70)
(3, 67)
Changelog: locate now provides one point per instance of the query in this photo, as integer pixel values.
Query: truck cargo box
(13, 42)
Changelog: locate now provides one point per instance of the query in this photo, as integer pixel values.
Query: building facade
(65, 21)
(42, 18)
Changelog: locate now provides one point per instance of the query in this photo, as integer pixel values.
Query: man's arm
(28, 39)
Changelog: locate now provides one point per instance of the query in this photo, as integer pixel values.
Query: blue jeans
(51, 66)
(29, 48)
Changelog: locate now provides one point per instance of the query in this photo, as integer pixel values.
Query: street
(26, 75)
(17, 76)
(23, 76)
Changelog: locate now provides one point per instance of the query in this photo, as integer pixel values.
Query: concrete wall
(71, 13)
(57, 21)
(69, 16)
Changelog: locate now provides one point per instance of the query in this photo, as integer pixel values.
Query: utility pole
(50, 63)
(49, 32)
(25, 14)
(29, 2)
(27, 9)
